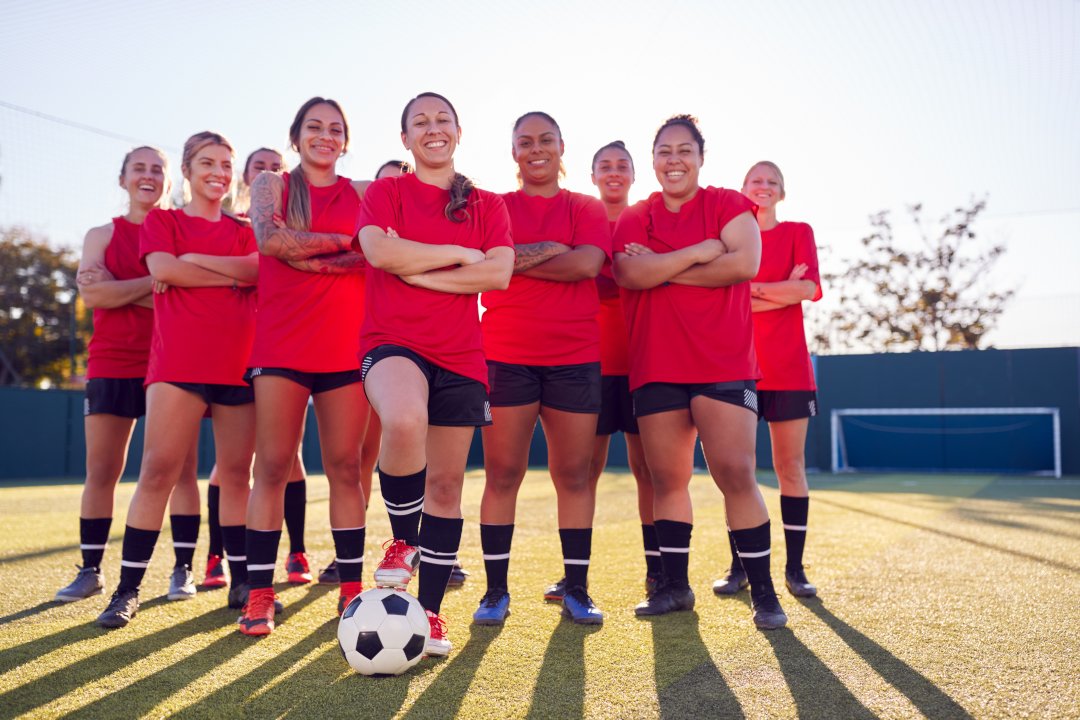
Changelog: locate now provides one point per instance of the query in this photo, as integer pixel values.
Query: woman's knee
(443, 491)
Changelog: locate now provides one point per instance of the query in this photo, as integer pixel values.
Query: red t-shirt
(311, 321)
(201, 335)
(679, 333)
(443, 328)
(614, 337)
(545, 322)
(778, 334)
(120, 345)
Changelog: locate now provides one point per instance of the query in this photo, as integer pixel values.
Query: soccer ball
(383, 632)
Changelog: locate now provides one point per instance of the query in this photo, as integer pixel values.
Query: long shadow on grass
(922, 693)
(36, 554)
(688, 683)
(40, 607)
(443, 697)
(349, 695)
(560, 687)
(815, 688)
(952, 536)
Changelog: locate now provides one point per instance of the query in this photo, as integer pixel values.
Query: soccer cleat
(579, 607)
(329, 575)
(667, 598)
(181, 584)
(494, 607)
(238, 597)
(123, 606)
(398, 565)
(652, 582)
(215, 572)
(88, 583)
(555, 592)
(298, 569)
(458, 575)
(349, 590)
(798, 585)
(732, 583)
(768, 615)
(258, 617)
(438, 644)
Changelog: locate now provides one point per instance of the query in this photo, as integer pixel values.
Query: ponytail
(460, 189)
(298, 211)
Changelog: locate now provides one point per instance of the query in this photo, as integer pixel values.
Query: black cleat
(329, 575)
(88, 583)
(732, 583)
(768, 615)
(652, 584)
(798, 585)
(667, 598)
(122, 607)
(458, 576)
(555, 592)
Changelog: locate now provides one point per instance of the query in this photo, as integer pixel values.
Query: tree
(933, 294)
(40, 314)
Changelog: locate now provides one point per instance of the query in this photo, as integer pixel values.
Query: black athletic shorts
(660, 397)
(124, 397)
(315, 382)
(571, 388)
(616, 406)
(453, 400)
(781, 405)
(213, 394)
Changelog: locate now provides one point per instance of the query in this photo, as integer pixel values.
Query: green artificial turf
(940, 596)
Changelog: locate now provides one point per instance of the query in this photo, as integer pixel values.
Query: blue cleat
(494, 607)
(579, 607)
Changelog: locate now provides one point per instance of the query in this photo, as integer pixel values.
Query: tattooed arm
(341, 263)
(283, 242)
(529, 255)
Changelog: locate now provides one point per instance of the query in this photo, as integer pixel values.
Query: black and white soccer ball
(383, 632)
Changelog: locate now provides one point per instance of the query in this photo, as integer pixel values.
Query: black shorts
(660, 397)
(616, 406)
(315, 382)
(781, 405)
(453, 400)
(124, 397)
(212, 394)
(571, 388)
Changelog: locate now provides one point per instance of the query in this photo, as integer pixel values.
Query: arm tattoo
(336, 264)
(530, 255)
(285, 243)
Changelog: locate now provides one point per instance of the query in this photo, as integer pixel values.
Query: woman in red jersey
(204, 265)
(613, 174)
(311, 290)
(115, 284)
(433, 242)
(541, 339)
(787, 392)
(684, 258)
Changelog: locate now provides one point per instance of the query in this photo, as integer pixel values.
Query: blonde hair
(772, 166)
(193, 145)
(164, 201)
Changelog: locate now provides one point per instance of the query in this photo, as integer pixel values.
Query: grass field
(940, 597)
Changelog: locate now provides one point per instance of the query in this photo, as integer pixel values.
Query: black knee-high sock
(653, 565)
(495, 542)
(793, 513)
(439, 541)
(295, 511)
(576, 550)
(262, 547)
(93, 536)
(736, 564)
(185, 533)
(135, 557)
(213, 502)
(235, 537)
(754, 545)
(404, 498)
(673, 538)
(349, 548)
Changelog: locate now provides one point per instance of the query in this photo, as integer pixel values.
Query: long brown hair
(460, 187)
(298, 212)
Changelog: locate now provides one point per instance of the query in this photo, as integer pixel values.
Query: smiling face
(144, 176)
(538, 150)
(209, 172)
(431, 132)
(677, 160)
(764, 186)
(321, 137)
(263, 161)
(613, 174)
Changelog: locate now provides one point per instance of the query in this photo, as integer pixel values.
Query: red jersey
(679, 333)
(201, 335)
(546, 322)
(311, 321)
(120, 345)
(614, 337)
(778, 334)
(443, 328)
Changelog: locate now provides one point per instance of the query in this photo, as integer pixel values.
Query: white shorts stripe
(499, 556)
(183, 544)
(348, 561)
(652, 553)
(795, 527)
(269, 566)
(411, 503)
(132, 564)
(92, 547)
(763, 553)
(674, 550)
(334, 529)
(438, 561)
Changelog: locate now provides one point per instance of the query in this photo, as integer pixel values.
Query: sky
(866, 106)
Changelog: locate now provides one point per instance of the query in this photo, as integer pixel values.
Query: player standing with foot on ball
(432, 242)
(307, 341)
(685, 257)
(787, 392)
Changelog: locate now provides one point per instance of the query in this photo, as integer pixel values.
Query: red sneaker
(258, 617)
(215, 572)
(349, 590)
(437, 643)
(398, 565)
(298, 569)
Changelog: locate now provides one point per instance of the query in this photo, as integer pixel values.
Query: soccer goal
(1020, 440)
